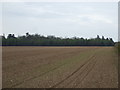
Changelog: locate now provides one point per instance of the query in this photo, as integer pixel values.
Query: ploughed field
(59, 67)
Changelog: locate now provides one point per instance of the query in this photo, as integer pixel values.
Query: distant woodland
(40, 40)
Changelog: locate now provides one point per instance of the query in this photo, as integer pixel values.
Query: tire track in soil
(88, 71)
(81, 74)
(82, 66)
(38, 75)
(57, 67)
(53, 70)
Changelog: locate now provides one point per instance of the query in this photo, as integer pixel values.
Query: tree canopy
(40, 40)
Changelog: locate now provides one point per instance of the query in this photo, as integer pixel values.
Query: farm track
(53, 70)
(47, 58)
(87, 70)
(37, 76)
(88, 61)
(59, 67)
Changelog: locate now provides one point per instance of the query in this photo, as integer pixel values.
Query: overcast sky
(63, 19)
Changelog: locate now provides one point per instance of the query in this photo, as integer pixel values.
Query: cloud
(61, 19)
(94, 18)
(30, 11)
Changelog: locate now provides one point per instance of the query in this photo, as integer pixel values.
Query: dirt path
(59, 67)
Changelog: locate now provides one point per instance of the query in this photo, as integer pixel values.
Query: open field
(59, 67)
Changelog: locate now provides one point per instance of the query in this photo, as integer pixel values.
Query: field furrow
(59, 67)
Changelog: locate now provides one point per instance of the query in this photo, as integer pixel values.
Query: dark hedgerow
(39, 40)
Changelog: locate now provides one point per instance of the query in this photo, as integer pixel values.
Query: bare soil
(59, 67)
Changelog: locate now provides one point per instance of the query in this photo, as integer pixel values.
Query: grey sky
(64, 19)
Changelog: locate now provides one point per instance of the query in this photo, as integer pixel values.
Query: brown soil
(59, 67)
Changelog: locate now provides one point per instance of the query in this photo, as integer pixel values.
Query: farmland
(59, 67)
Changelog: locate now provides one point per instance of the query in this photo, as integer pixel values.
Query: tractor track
(57, 67)
(37, 76)
(87, 69)
(87, 62)
(78, 67)
(51, 71)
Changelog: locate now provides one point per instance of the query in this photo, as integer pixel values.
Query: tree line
(40, 40)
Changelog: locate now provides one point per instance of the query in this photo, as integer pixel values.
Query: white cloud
(61, 19)
(95, 18)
